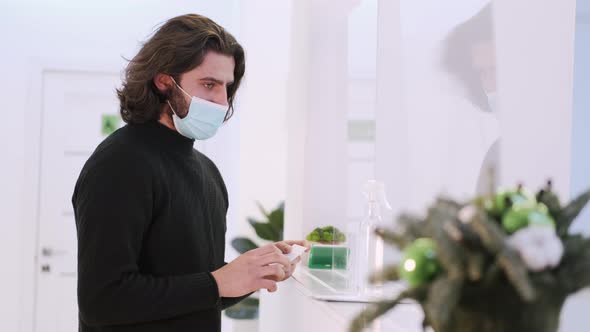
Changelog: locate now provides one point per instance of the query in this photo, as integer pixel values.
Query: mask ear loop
(181, 89)
(172, 108)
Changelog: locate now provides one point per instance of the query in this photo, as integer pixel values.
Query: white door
(79, 109)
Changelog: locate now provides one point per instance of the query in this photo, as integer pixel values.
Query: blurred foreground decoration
(504, 263)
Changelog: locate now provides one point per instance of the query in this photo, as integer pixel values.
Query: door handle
(49, 252)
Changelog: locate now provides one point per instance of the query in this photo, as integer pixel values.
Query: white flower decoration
(538, 246)
(467, 213)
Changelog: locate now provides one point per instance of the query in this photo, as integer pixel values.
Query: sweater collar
(167, 137)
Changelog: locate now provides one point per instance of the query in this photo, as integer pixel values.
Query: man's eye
(209, 86)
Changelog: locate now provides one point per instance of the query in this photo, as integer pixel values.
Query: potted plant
(327, 249)
(503, 263)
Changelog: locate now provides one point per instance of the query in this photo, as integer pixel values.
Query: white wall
(535, 77)
(264, 33)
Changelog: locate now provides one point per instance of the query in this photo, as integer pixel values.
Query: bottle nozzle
(374, 191)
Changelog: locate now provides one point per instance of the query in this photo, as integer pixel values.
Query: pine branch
(411, 227)
(475, 265)
(392, 237)
(370, 314)
(448, 202)
(450, 253)
(507, 259)
(443, 296)
(491, 275)
(573, 273)
(491, 236)
(567, 215)
(373, 312)
(517, 273)
(470, 238)
(390, 273)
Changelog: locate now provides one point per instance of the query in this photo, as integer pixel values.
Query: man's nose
(221, 98)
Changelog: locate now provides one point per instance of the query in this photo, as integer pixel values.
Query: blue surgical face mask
(202, 120)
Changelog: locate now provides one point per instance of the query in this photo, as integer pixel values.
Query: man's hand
(251, 271)
(285, 247)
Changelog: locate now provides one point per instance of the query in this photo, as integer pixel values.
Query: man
(150, 210)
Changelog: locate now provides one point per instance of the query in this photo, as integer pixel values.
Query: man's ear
(163, 82)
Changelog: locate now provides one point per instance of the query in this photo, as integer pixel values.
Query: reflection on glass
(469, 56)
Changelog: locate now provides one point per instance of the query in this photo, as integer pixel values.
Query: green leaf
(313, 236)
(242, 244)
(569, 213)
(328, 229)
(276, 220)
(262, 210)
(245, 309)
(574, 269)
(264, 230)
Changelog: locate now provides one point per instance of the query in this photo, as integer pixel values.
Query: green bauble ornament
(540, 216)
(526, 214)
(419, 263)
(515, 219)
(501, 203)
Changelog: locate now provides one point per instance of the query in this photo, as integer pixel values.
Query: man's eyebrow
(212, 79)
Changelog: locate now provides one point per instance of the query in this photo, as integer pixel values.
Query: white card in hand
(296, 251)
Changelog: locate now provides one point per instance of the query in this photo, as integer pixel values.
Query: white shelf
(314, 284)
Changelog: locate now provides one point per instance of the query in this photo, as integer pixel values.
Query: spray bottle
(369, 247)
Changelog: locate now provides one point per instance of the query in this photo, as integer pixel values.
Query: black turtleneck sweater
(150, 215)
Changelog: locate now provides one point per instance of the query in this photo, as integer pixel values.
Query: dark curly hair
(178, 46)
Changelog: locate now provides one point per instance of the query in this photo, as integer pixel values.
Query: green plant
(326, 235)
(245, 309)
(270, 229)
(494, 276)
